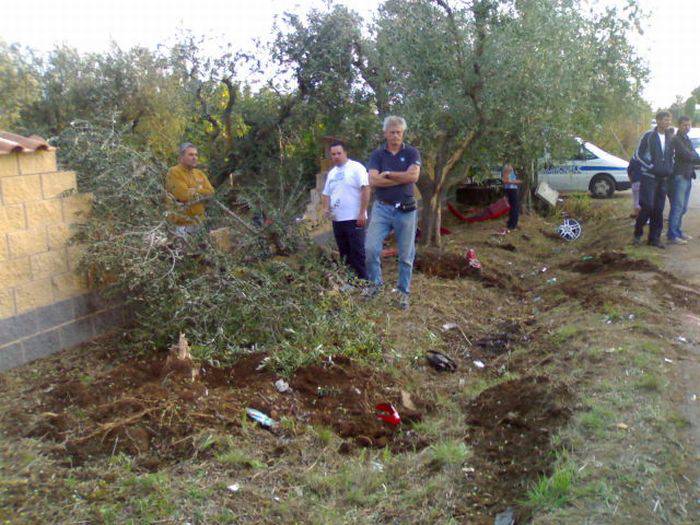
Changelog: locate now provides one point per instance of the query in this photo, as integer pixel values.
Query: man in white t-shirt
(345, 199)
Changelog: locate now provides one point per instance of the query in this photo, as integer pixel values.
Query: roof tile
(13, 143)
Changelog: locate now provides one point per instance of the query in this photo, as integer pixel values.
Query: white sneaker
(686, 237)
(677, 240)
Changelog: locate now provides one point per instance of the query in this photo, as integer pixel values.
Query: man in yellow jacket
(184, 184)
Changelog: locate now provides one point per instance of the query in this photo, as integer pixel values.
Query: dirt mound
(454, 266)
(151, 411)
(510, 430)
(445, 265)
(608, 262)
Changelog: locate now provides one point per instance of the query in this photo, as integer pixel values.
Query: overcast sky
(671, 43)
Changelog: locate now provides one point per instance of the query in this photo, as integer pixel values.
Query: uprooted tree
(226, 299)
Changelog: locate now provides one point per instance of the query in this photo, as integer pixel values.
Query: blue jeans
(678, 195)
(383, 219)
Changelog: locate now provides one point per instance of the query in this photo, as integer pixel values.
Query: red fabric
(492, 211)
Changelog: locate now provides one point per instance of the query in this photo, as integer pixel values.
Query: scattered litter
(587, 258)
(613, 350)
(666, 359)
(622, 426)
(357, 391)
(552, 280)
(262, 364)
(449, 326)
(479, 364)
(387, 412)
(468, 470)
(536, 299)
(462, 382)
(472, 260)
(377, 466)
(507, 517)
(681, 339)
(544, 269)
(630, 317)
(234, 488)
(440, 361)
(347, 288)
(406, 401)
(694, 397)
(282, 386)
(260, 418)
(569, 230)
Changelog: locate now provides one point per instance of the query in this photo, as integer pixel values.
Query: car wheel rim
(601, 188)
(570, 230)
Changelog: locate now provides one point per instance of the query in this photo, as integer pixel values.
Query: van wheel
(602, 186)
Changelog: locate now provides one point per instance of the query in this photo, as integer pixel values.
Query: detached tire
(602, 186)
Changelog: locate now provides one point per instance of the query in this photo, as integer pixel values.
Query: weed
(449, 453)
(240, 459)
(678, 420)
(612, 312)
(595, 421)
(651, 347)
(324, 434)
(650, 382)
(564, 334)
(553, 491)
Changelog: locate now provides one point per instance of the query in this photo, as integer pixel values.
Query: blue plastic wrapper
(260, 418)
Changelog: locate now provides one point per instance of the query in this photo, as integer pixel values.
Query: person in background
(511, 185)
(345, 198)
(186, 184)
(634, 174)
(655, 157)
(394, 169)
(681, 182)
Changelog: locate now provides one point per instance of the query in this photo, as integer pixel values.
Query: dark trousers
(652, 197)
(351, 245)
(514, 202)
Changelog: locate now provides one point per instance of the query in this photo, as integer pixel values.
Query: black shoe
(657, 244)
(636, 241)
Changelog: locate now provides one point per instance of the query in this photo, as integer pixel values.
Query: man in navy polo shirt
(393, 170)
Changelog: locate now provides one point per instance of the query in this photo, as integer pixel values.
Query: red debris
(387, 412)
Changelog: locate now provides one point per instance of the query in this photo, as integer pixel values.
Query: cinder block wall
(44, 305)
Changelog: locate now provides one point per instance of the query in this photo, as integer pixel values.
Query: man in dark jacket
(681, 182)
(655, 157)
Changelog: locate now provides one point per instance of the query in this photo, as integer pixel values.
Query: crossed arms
(386, 179)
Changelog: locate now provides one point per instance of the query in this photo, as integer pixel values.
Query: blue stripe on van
(600, 168)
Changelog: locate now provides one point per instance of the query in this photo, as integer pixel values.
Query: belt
(389, 203)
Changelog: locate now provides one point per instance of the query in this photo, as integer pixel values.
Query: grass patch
(596, 421)
(554, 491)
(564, 334)
(649, 382)
(239, 458)
(324, 434)
(449, 453)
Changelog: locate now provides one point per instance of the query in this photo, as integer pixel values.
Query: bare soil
(153, 412)
(510, 430)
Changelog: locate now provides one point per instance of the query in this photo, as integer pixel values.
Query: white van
(591, 169)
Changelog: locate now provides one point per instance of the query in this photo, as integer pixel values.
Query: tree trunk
(430, 215)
